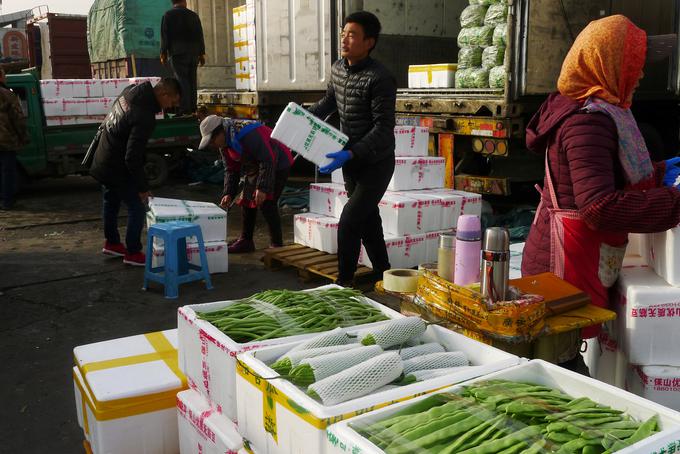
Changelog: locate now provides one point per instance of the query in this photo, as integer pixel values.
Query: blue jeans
(8, 177)
(113, 197)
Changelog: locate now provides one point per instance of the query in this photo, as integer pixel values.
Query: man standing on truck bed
(182, 45)
(13, 135)
(118, 162)
(364, 94)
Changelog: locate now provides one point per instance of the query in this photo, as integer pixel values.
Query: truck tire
(156, 169)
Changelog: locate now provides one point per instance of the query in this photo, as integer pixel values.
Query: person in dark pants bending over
(248, 150)
(13, 136)
(364, 94)
(182, 46)
(118, 162)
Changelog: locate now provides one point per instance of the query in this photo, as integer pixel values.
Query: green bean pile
(279, 313)
(506, 417)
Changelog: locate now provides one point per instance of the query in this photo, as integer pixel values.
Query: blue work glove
(339, 159)
(672, 172)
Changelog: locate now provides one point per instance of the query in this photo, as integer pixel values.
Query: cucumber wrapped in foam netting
(492, 56)
(291, 359)
(359, 380)
(427, 374)
(496, 14)
(497, 77)
(338, 336)
(436, 361)
(475, 36)
(311, 370)
(473, 16)
(394, 332)
(469, 57)
(500, 35)
(472, 78)
(419, 350)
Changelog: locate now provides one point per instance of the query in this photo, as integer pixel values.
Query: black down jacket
(364, 96)
(120, 156)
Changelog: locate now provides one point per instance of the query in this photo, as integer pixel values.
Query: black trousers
(270, 211)
(360, 220)
(184, 68)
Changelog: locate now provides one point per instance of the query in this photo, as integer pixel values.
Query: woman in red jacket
(600, 183)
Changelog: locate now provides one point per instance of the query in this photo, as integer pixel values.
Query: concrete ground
(57, 292)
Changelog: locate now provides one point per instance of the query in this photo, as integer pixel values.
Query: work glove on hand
(672, 172)
(339, 159)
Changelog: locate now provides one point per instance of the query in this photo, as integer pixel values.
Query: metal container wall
(69, 58)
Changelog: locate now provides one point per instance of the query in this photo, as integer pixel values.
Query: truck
(55, 151)
(482, 130)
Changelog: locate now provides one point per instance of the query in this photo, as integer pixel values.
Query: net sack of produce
(481, 2)
(473, 16)
(500, 34)
(492, 56)
(469, 57)
(472, 78)
(496, 14)
(475, 36)
(497, 77)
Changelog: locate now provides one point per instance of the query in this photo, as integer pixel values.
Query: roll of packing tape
(400, 281)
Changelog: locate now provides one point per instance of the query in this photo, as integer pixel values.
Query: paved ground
(57, 291)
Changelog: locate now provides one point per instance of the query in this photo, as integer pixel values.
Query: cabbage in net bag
(492, 56)
(497, 77)
(469, 57)
(472, 78)
(475, 36)
(496, 14)
(473, 16)
(500, 33)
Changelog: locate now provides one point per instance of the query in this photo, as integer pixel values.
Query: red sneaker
(136, 259)
(114, 249)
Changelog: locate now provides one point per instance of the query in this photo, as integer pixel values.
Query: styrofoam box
(202, 429)
(240, 14)
(216, 252)
(648, 312)
(99, 106)
(141, 80)
(90, 119)
(64, 107)
(456, 203)
(307, 135)
(324, 198)
(111, 88)
(429, 210)
(87, 88)
(411, 140)
(664, 254)
(296, 435)
(240, 33)
(432, 76)
(211, 218)
(399, 213)
(406, 251)
(336, 177)
(316, 231)
(660, 384)
(417, 173)
(516, 252)
(243, 83)
(605, 359)
(61, 121)
(155, 430)
(343, 439)
(303, 228)
(208, 356)
(56, 88)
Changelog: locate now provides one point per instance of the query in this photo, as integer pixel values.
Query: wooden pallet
(308, 261)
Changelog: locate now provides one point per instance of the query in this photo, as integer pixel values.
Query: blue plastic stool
(177, 269)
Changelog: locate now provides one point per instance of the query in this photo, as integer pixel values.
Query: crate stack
(244, 46)
(83, 101)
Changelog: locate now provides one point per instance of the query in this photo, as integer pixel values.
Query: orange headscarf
(605, 62)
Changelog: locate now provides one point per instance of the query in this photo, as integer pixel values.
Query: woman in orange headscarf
(600, 183)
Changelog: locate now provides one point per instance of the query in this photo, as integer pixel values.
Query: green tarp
(120, 28)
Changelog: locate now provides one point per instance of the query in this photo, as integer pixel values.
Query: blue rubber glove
(672, 172)
(339, 159)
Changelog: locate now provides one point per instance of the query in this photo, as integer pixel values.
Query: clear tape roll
(400, 281)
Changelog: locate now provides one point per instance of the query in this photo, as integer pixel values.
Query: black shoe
(345, 283)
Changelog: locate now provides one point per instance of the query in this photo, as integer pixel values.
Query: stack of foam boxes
(244, 46)
(212, 220)
(414, 211)
(81, 101)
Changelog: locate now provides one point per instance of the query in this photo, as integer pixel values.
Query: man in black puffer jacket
(118, 162)
(364, 94)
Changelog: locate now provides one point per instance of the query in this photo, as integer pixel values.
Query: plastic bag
(492, 56)
(473, 16)
(497, 77)
(496, 14)
(475, 36)
(472, 78)
(500, 34)
(469, 57)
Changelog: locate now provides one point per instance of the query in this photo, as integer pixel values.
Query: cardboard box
(216, 252)
(293, 422)
(126, 391)
(441, 75)
(411, 141)
(211, 218)
(417, 173)
(307, 135)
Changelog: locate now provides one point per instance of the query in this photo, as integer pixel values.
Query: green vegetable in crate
(291, 359)
(500, 34)
(358, 380)
(469, 57)
(497, 77)
(317, 368)
(475, 36)
(492, 56)
(496, 14)
(472, 78)
(435, 361)
(473, 16)
(427, 374)
(394, 332)
(419, 350)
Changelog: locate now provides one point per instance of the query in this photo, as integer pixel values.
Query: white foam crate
(64, 107)
(432, 76)
(327, 199)
(316, 231)
(343, 439)
(456, 203)
(87, 88)
(216, 253)
(56, 88)
(111, 88)
(208, 356)
(648, 314)
(411, 141)
(296, 435)
(202, 429)
(516, 253)
(417, 173)
(660, 384)
(211, 218)
(399, 213)
(62, 121)
(99, 106)
(429, 210)
(336, 177)
(406, 251)
(663, 253)
(605, 359)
